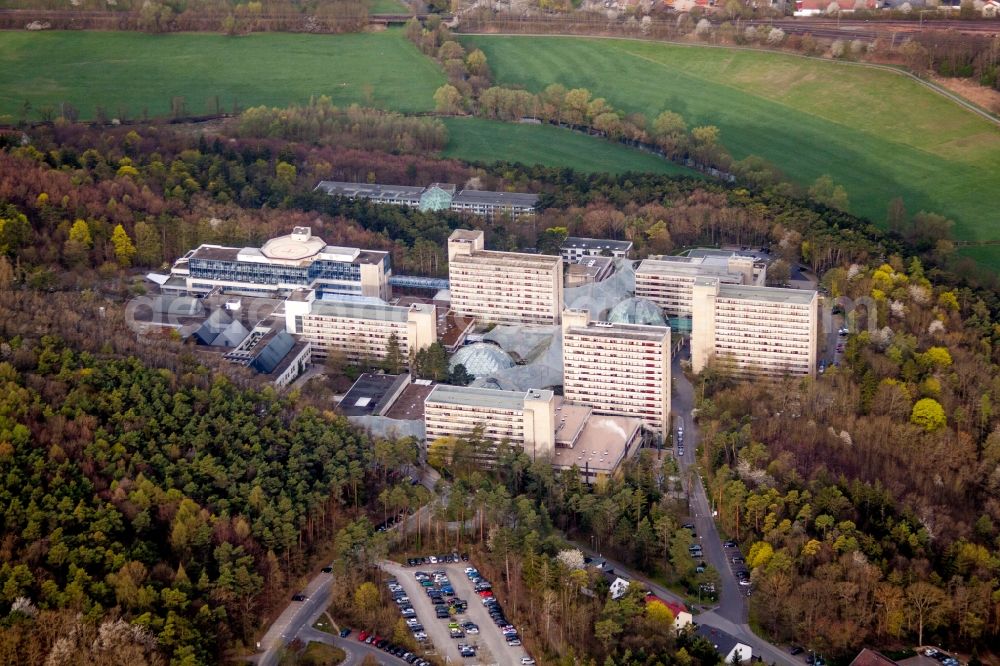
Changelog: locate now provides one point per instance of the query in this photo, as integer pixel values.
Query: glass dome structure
(637, 311)
(481, 359)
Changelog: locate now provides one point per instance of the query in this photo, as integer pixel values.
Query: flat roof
(368, 392)
(716, 252)
(215, 253)
(452, 328)
(482, 397)
(513, 259)
(570, 420)
(682, 266)
(626, 331)
(601, 444)
(771, 294)
(374, 190)
(370, 256)
(496, 198)
(370, 311)
(409, 406)
(576, 242)
(465, 234)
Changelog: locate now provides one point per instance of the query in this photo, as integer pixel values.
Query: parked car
(527, 661)
(729, 544)
(796, 649)
(298, 597)
(345, 632)
(738, 560)
(327, 569)
(362, 636)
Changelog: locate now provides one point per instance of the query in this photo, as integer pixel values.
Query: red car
(362, 636)
(486, 594)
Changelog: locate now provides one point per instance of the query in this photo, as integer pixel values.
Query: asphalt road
(732, 600)
(355, 650)
(296, 616)
(732, 611)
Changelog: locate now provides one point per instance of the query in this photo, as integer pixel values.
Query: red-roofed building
(872, 658)
(682, 617)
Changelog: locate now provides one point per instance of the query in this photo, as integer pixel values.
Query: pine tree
(393, 362)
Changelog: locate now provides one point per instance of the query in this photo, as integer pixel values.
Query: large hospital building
(281, 266)
(537, 421)
(668, 281)
(359, 330)
(437, 197)
(760, 331)
(503, 287)
(617, 368)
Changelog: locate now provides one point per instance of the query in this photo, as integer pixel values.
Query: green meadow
(877, 133)
(478, 140)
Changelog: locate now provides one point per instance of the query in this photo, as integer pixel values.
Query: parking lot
(488, 643)
(489, 633)
(436, 630)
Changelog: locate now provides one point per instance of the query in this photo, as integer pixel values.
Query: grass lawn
(985, 255)
(475, 139)
(319, 654)
(877, 133)
(135, 71)
(387, 7)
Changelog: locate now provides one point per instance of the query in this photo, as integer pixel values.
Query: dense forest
(178, 502)
(868, 498)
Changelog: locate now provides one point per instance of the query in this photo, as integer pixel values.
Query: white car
(527, 661)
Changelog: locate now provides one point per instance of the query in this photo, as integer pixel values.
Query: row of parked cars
(739, 565)
(945, 658)
(485, 591)
(441, 593)
(389, 647)
(447, 558)
(406, 610)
